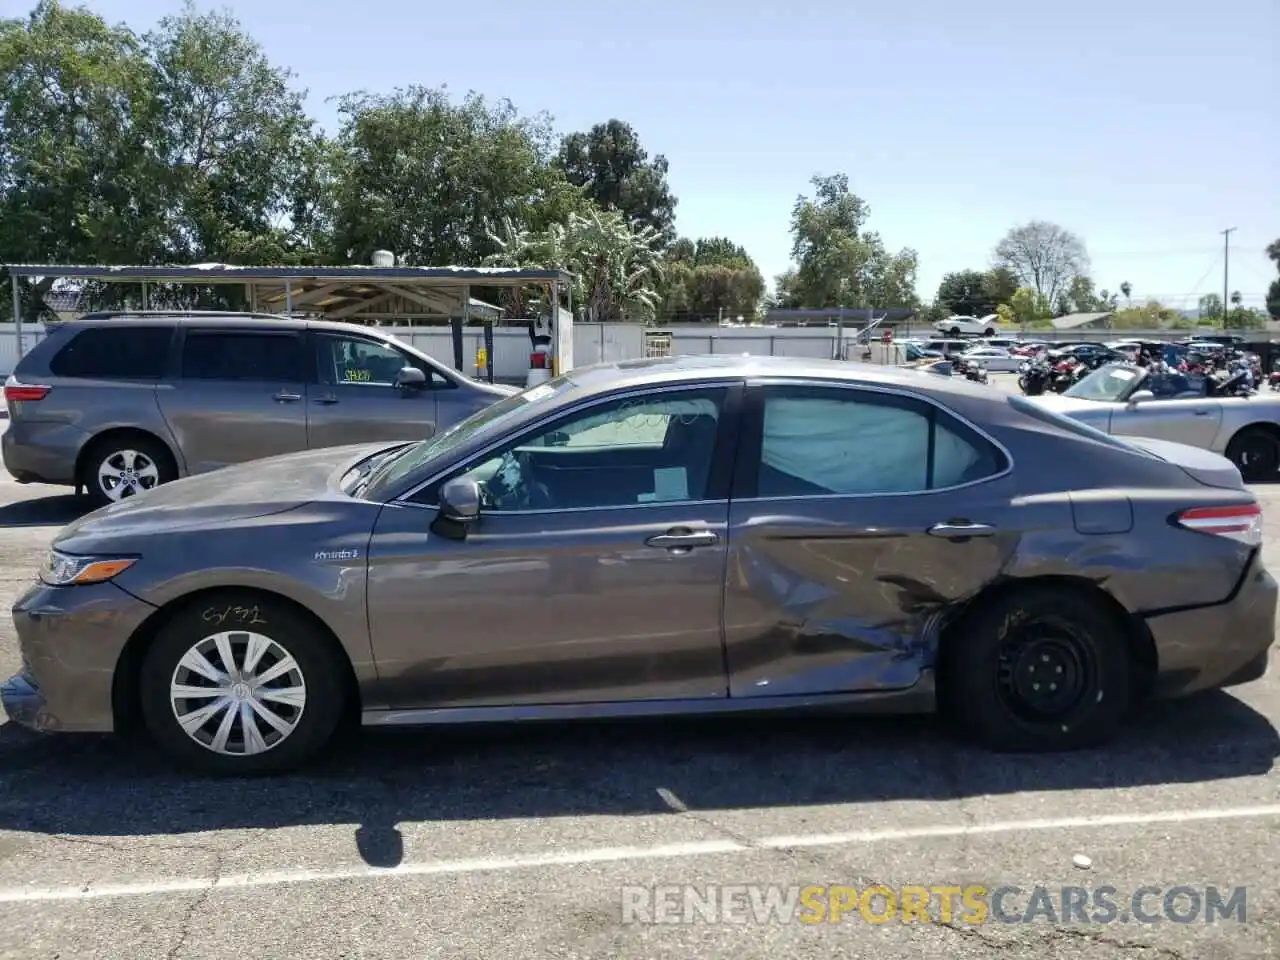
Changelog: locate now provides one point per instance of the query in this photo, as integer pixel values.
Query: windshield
(489, 419)
(1111, 383)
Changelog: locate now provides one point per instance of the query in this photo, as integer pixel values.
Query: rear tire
(989, 332)
(119, 466)
(1256, 453)
(1037, 670)
(954, 332)
(275, 706)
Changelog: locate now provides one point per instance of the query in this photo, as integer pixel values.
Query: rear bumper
(1219, 646)
(41, 453)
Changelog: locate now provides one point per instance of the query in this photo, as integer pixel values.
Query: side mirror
(1142, 396)
(411, 378)
(459, 508)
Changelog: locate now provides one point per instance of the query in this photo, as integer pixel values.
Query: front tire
(1036, 670)
(989, 332)
(954, 332)
(241, 683)
(1256, 453)
(124, 465)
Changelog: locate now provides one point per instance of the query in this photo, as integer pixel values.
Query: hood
(256, 489)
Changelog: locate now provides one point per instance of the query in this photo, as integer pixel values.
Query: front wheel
(989, 332)
(1036, 670)
(954, 332)
(241, 683)
(1256, 453)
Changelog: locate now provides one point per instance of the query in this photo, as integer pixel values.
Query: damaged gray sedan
(686, 536)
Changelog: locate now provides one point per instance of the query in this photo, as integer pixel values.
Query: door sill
(918, 698)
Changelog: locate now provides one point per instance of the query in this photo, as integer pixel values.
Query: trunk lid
(1210, 469)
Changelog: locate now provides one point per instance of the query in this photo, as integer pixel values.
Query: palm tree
(1127, 288)
(1236, 299)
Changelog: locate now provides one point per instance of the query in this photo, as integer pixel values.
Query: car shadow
(90, 786)
(55, 511)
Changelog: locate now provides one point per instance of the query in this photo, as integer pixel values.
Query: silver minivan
(118, 404)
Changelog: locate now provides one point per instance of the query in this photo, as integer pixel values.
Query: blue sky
(1146, 126)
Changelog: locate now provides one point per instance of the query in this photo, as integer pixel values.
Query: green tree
(966, 293)
(1043, 256)
(708, 279)
(76, 181)
(1273, 291)
(432, 179)
(1000, 283)
(617, 269)
(1211, 307)
(1126, 288)
(239, 163)
(1030, 308)
(838, 261)
(609, 163)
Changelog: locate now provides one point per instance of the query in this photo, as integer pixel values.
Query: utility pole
(1226, 261)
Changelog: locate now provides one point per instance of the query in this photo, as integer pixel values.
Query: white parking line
(570, 858)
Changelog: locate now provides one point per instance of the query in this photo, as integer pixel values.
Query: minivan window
(115, 353)
(243, 355)
(357, 361)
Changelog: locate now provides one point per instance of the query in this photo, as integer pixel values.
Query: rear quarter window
(115, 353)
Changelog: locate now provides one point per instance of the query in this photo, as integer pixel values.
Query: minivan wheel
(241, 684)
(1256, 453)
(1037, 670)
(118, 467)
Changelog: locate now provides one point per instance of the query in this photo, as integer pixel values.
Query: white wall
(818, 344)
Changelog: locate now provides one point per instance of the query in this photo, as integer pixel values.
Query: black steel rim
(1046, 671)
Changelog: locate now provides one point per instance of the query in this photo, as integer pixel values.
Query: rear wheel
(954, 332)
(239, 684)
(1036, 670)
(1256, 453)
(989, 332)
(120, 466)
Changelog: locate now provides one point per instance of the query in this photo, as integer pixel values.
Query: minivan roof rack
(177, 314)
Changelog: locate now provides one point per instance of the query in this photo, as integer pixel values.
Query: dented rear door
(842, 593)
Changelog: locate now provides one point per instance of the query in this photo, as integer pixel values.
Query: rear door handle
(287, 397)
(1200, 413)
(326, 400)
(683, 540)
(961, 530)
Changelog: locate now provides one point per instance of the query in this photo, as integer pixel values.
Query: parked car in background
(1129, 401)
(121, 404)
(978, 326)
(995, 359)
(757, 533)
(1004, 343)
(947, 348)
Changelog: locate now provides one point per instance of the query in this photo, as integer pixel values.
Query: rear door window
(115, 353)
(823, 441)
(266, 356)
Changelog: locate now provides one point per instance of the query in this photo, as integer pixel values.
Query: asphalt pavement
(640, 840)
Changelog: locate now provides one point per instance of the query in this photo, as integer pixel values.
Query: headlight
(64, 570)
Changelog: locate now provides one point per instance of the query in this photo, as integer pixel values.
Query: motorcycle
(1033, 377)
(971, 370)
(1064, 375)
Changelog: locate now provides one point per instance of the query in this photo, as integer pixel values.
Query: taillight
(1242, 522)
(23, 392)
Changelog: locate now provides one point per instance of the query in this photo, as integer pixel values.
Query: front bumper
(71, 640)
(22, 702)
(1219, 646)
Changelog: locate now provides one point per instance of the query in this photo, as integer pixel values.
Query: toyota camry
(683, 536)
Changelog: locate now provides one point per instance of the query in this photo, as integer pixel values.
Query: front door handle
(961, 530)
(682, 540)
(287, 397)
(1200, 413)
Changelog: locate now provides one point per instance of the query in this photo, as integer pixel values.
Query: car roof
(693, 369)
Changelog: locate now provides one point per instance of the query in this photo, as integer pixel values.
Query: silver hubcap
(238, 693)
(127, 472)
